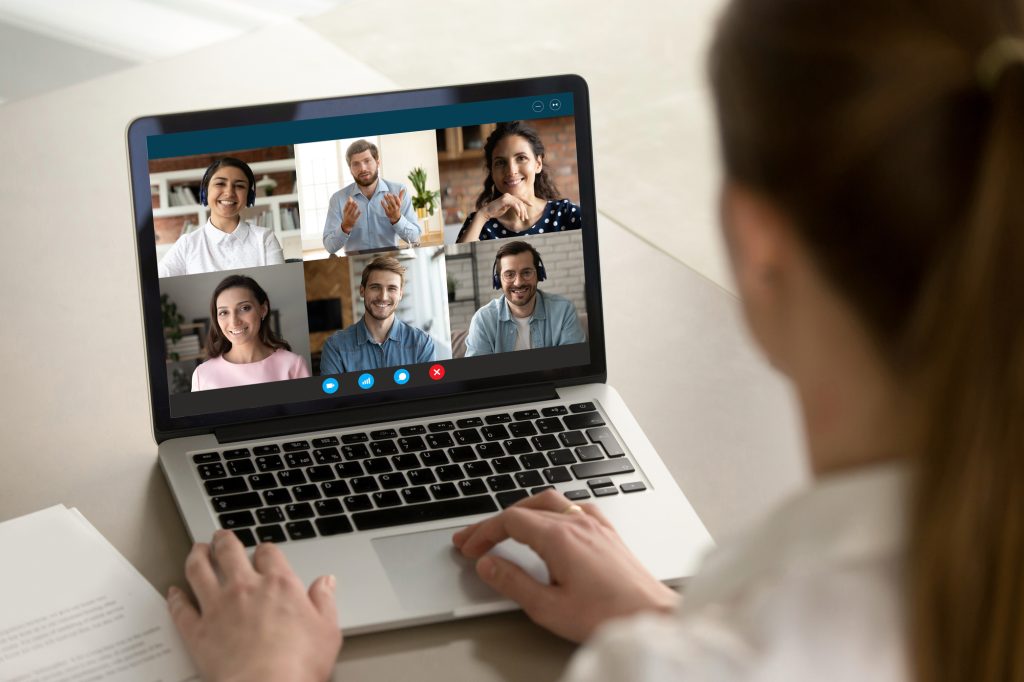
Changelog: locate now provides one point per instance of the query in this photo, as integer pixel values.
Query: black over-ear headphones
(250, 198)
(538, 263)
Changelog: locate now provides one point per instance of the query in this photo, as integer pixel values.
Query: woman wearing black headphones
(225, 242)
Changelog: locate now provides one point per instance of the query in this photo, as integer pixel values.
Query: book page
(73, 608)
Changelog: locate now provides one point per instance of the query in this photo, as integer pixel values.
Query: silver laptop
(373, 320)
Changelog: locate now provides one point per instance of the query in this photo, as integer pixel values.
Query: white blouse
(813, 593)
(212, 250)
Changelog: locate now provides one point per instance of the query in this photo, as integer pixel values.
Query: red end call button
(436, 372)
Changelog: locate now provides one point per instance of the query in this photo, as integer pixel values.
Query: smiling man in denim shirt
(523, 317)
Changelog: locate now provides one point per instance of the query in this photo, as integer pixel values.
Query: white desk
(76, 427)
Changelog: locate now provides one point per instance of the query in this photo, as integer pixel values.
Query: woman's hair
(903, 171)
(216, 343)
(543, 186)
(204, 185)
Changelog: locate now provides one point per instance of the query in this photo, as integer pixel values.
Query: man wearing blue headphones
(523, 317)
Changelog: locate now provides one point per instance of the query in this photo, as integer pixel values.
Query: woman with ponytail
(873, 206)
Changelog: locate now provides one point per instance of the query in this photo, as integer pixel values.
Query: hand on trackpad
(524, 557)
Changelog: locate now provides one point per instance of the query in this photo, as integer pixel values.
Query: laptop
(422, 355)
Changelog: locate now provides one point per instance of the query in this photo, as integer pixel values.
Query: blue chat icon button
(365, 381)
(330, 386)
(401, 376)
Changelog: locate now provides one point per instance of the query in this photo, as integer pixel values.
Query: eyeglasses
(525, 273)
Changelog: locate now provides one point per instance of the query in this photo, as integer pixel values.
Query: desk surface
(74, 397)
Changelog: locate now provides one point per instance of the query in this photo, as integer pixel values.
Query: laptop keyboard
(364, 480)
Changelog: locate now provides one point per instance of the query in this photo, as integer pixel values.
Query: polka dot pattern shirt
(559, 215)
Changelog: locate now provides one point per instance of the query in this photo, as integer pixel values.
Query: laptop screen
(317, 256)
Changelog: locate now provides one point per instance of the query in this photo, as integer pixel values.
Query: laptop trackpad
(429, 574)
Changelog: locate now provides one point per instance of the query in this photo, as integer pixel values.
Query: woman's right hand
(594, 576)
(504, 204)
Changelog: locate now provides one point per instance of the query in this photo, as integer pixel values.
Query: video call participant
(242, 348)
(519, 196)
(371, 213)
(225, 242)
(524, 317)
(379, 339)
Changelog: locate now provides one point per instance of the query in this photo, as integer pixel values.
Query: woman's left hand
(255, 621)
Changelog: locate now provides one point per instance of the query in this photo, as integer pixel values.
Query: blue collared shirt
(354, 350)
(373, 228)
(554, 323)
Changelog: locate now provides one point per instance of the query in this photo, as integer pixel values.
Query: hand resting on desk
(255, 619)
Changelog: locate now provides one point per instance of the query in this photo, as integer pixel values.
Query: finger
(321, 593)
(183, 613)
(592, 510)
(401, 195)
(200, 575)
(459, 537)
(229, 556)
(269, 559)
(528, 526)
(513, 582)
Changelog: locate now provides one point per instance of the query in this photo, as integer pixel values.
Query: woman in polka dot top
(519, 198)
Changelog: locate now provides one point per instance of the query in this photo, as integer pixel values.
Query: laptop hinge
(390, 412)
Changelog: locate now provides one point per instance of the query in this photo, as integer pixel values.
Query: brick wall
(463, 180)
(563, 260)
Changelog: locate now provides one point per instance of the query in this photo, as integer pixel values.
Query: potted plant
(423, 199)
(172, 320)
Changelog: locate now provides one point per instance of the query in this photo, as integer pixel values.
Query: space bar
(431, 511)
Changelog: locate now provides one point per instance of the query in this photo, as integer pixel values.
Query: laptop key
(348, 469)
(606, 491)
(583, 420)
(589, 453)
(413, 444)
(210, 471)
(509, 497)
(502, 418)
(270, 534)
(471, 486)
(404, 462)
(602, 482)
(544, 443)
(325, 442)
(606, 467)
(269, 515)
(291, 477)
(326, 455)
(393, 481)
(550, 425)
(554, 410)
(364, 484)
(505, 465)
(241, 467)
(357, 502)
(321, 473)
(498, 432)
(269, 463)
(387, 498)
(430, 511)
(383, 448)
(277, 496)
(245, 536)
(421, 477)
(350, 438)
(415, 495)
(500, 483)
(437, 427)
(461, 453)
(603, 435)
(225, 486)
(517, 446)
(237, 453)
(377, 466)
(415, 430)
(526, 414)
(534, 460)
(300, 530)
(206, 457)
(239, 519)
(262, 481)
(443, 491)
(562, 457)
(478, 468)
(522, 429)
(572, 438)
(449, 472)
(355, 452)
(440, 440)
(328, 507)
(557, 475)
(529, 479)
(541, 488)
(335, 489)
(469, 422)
(229, 503)
(467, 437)
(333, 525)
(383, 433)
(582, 407)
(433, 458)
(304, 493)
(577, 494)
(633, 487)
(299, 510)
(296, 445)
(487, 450)
(267, 449)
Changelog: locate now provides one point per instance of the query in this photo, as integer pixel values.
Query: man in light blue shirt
(524, 317)
(379, 339)
(371, 213)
